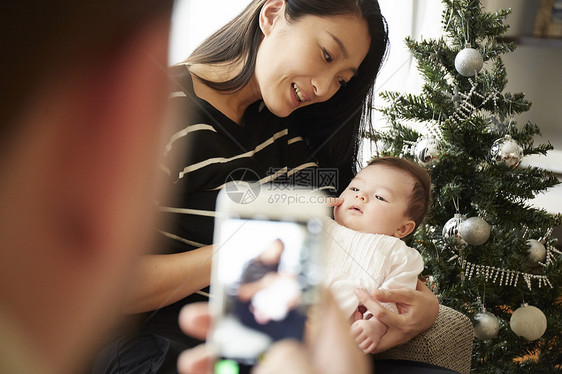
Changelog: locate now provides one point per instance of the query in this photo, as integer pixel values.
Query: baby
(385, 202)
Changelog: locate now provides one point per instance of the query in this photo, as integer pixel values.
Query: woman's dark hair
(333, 128)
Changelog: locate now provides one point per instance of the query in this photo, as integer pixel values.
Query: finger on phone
(286, 356)
(195, 361)
(195, 320)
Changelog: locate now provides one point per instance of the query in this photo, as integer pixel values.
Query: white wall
(537, 72)
(194, 20)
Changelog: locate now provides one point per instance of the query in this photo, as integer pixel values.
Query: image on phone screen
(266, 280)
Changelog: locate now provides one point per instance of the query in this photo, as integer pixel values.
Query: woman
(282, 89)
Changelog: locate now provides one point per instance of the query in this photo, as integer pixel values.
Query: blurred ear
(271, 10)
(406, 229)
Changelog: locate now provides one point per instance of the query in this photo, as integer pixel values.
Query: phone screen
(266, 278)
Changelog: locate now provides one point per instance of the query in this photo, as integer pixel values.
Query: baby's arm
(405, 264)
(368, 333)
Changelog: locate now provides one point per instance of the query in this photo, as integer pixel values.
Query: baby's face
(376, 201)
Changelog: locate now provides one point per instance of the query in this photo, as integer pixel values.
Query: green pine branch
(469, 115)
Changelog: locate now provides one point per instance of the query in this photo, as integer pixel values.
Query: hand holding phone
(266, 273)
(330, 351)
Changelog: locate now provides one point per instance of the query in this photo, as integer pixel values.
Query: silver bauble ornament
(537, 250)
(427, 151)
(475, 231)
(507, 151)
(528, 321)
(451, 228)
(486, 325)
(468, 62)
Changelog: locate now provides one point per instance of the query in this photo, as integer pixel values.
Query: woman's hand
(195, 320)
(418, 309)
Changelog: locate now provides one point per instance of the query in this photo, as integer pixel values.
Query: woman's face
(308, 61)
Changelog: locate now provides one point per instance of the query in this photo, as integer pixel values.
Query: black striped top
(205, 150)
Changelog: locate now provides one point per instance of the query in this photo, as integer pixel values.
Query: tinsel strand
(507, 277)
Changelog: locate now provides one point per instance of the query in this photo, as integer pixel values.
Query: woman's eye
(354, 189)
(378, 197)
(342, 82)
(327, 56)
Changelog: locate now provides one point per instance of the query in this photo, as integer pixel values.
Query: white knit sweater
(358, 260)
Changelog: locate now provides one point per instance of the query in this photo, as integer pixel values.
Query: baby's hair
(420, 198)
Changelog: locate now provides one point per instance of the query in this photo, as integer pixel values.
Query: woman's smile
(295, 98)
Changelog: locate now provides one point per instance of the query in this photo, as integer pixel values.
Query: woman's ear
(406, 229)
(271, 10)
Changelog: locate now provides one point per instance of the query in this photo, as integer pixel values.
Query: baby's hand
(358, 314)
(334, 201)
(368, 333)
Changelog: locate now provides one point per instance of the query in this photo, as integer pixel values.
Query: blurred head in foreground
(81, 99)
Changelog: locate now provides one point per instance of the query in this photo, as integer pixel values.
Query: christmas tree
(489, 253)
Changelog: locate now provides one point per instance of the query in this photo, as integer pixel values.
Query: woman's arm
(418, 309)
(161, 280)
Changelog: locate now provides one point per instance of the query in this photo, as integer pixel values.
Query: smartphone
(266, 270)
